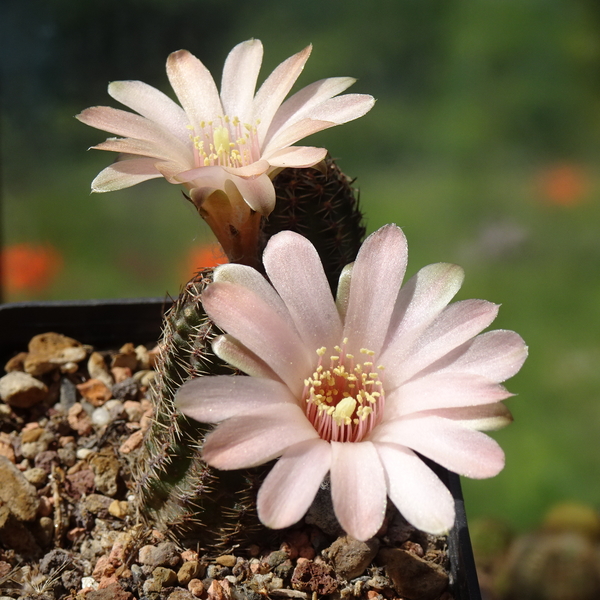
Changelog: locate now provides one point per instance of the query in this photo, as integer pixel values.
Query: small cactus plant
(176, 491)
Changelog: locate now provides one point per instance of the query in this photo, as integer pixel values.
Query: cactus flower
(359, 387)
(223, 147)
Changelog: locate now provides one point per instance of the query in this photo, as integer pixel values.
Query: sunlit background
(483, 146)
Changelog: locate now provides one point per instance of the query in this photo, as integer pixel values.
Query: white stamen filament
(345, 401)
(213, 143)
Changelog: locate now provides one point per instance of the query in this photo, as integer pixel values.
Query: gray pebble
(351, 557)
(68, 394)
(67, 455)
(163, 555)
(115, 409)
(126, 389)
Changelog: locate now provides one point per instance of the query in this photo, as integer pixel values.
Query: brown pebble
(95, 391)
(22, 390)
(103, 568)
(189, 570)
(118, 509)
(196, 587)
(351, 557)
(45, 509)
(6, 447)
(48, 351)
(16, 493)
(216, 591)
(32, 434)
(121, 548)
(125, 358)
(15, 535)
(189, 555)
(314, 577)
(132, 442)
(63, 440)
(111, 591)
(412, 576)
(16, 363)
(133, 409)
(164, 577)
(76, 533)
(79, 420)
(98, 370)
(226, 560)
(307, 552)
(106, 472)
(121, 373)
(80, 483)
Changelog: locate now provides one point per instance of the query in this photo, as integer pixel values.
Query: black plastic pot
(109, 324)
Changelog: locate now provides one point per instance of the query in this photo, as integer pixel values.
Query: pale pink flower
(224, 147)
(355, 387)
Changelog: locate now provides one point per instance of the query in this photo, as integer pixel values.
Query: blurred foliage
(483, 146)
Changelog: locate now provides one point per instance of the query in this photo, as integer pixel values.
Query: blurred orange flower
(563, 184)
(28, 268)
(203, 257)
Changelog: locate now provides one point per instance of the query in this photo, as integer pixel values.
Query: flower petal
(459, 449)
(254, 439)
(327, 114)
(130, 125)
(486, 417)
(125, 173)
(152, 149)
(194, 86)
(247, 317)
(358, 488)
(251, 279)
(233, 352)
(213, 399)
(295, 270)
(239, 79)
(298, 157)
(457, 324)
(290, 135)
(497, 355)
(152, 104)
(442, 390)
(259, 193)
(292, 484)
(416, 490)
(276, 87)
(376, 278)
(296, 106)
(342, 108)
(204, 174)
(420, 301)
(343, 290)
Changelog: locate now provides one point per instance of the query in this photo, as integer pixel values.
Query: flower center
(225, 142)
(344, 401)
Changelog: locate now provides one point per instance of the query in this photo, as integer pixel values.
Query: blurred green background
(483, 146)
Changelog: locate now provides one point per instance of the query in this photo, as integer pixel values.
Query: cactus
(323, 207)
(176, 491)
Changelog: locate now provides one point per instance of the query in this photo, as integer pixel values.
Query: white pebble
(83, 453)
(89, 582)
(100, 416)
